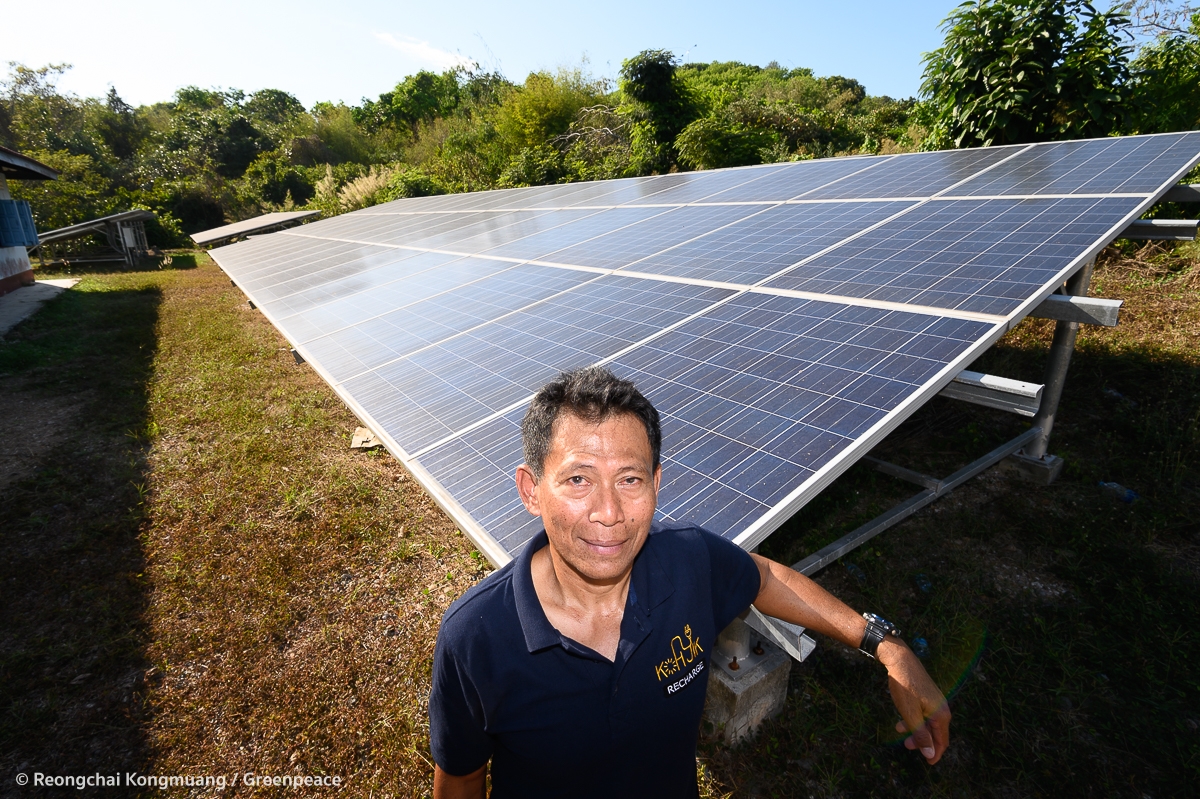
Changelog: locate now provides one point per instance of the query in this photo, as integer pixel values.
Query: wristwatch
(877, 628)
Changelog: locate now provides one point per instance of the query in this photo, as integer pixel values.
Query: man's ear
(527, 486)
(657, 478)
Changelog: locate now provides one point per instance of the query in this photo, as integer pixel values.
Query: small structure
(17, 231)
(125, 234)
(259, 224)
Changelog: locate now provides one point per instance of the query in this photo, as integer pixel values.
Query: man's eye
(577, 480)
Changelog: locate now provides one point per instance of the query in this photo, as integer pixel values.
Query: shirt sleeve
(735, 578)
(457, 737)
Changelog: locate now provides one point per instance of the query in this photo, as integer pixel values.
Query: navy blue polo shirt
(558, 719)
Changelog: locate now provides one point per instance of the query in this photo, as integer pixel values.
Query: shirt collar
(539, 633)
(649, 587)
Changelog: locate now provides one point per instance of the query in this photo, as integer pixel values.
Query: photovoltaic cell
(1136, 165)
(345, 310)
(634, 242)
(792, 181)
(917, 175)
(258, 264)
(461, 380)
(574, 232)
(498, 229)
(358, 277)
(753, 249)
(699, 186)
(352, 270)
(478, 470)
(439, 317)
(985, 256)
(754, 396)
(366, 345)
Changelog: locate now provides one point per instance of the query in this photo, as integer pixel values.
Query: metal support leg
(1032, 461)
(934, 489)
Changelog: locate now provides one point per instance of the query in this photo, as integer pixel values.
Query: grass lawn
(198, 576)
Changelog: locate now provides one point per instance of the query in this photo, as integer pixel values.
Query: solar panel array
(783, 318)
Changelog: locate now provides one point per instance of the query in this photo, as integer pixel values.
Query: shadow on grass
(73, 381)
(1061, 616)
(80, 265)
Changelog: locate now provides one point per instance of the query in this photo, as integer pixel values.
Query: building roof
(22, 167)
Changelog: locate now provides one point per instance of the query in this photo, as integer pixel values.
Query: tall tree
(1167, 81)
(662, 104)
(1013, 71)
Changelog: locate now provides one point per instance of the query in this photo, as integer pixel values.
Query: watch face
(874, 618)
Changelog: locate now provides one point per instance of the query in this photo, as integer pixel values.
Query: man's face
(597, 493)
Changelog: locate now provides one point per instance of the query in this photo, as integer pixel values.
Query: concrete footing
(1043, 471)
(741, 698)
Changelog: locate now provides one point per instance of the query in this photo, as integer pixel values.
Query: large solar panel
(783, 318)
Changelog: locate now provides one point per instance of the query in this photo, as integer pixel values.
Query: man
(561, 668)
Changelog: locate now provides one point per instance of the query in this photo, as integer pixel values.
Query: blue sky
(354, 49)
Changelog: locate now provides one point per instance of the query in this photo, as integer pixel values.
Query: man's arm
(447, 786)
(786, 594)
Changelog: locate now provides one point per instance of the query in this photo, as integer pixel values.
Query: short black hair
(593, 394)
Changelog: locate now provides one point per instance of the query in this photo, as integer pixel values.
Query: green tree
(343, 140)
(119, 126)
(1167, 81)
(1013, 71)
(714, 142)
(418, 98)
(81, 191)
(661, 104)
(545, 106)
(38, 117)
(271, 179)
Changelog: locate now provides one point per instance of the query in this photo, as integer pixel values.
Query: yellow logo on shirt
(682, 654)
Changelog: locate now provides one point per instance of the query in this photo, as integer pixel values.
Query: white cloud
(424, 53)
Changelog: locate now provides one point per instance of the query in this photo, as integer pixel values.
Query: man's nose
(606, 506)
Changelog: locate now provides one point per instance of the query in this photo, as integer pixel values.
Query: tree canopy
(1009, 71)
(1015, 71)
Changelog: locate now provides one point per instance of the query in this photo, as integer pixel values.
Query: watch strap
(873, 635)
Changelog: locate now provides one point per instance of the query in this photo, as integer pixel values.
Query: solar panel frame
(256, 224)
(761, 526)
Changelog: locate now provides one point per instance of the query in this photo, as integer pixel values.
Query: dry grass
(297, 584)
(289, 588)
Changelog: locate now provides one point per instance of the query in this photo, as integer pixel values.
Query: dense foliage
(1167, 80)
(1009, 71)
(1015, 71)
(210, 156)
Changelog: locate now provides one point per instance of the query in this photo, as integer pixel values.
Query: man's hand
(923, 709)
(786, 594)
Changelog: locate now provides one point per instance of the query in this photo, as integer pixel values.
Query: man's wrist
(892, 651)
(877, 629)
